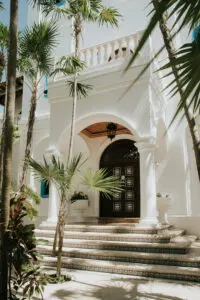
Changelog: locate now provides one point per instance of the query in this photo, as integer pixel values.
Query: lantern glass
(111, 131)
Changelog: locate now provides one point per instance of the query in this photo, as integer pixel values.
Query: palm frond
(1, 5)
(109, 16)
(56, 12)
(4, 36)
(44, 171)
(73, 168)
(35, 48)
(68, 65)
(187, 13)
(187, 63)
(82, 89)
(100, 181)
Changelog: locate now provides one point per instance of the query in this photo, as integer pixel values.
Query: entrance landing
(118, 220)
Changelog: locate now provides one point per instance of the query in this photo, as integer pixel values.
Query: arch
(121, 159)
(108, 142)
(43, 143)
(87, 120)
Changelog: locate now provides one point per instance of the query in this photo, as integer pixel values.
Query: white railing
(108, 52)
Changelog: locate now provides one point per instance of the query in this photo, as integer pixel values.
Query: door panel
(121, 159)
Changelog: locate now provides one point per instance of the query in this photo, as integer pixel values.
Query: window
(44, 189)
(195, 32)
(60, 2)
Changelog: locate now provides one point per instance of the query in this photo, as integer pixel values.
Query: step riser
(104, 230)
(182, 277)
(109, 238)
(127, 259)
(126, 248)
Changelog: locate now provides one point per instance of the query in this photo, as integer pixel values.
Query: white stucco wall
(145, 110)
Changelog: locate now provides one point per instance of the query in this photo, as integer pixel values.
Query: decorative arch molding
(86, 121)
(42, 140)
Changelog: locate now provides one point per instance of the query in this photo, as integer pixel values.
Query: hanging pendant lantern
(111, 130)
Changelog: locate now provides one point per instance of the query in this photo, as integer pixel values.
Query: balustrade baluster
(109, 51)
(93, 57)
(88, 55)
(100, 54)
(106, 52)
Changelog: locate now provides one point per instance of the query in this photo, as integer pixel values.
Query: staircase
(124, 249)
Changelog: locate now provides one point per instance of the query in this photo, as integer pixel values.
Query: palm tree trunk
(61, 230)
(77, 31)
(29, 138)
(2, 145)
(172, 57)
(1, 76)
(55, 241)
(7, 157)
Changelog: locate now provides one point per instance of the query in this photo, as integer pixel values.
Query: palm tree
(1, 5)
(177, 66)
(4, 34)
(35, 61)
(81, 11)
(185, 64)
(7, 157)
(63, 178)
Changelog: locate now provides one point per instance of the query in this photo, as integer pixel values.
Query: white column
(53, 206)
(148, 203)
(53, 201)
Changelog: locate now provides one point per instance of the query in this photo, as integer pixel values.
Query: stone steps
(179, 247)
(130, 249)
(113, 228)
(127, 237)
(153, 271)
(125, 256)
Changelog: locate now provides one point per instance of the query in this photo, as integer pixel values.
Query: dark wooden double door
(121, 159)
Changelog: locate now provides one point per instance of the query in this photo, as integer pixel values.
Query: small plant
(20, 245)
(78, 196)
(54, 279)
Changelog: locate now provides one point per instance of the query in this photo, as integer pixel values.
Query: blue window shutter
(44, 189)
(60, 3)
(195, 32)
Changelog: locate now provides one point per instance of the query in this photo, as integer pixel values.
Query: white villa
(148, 159)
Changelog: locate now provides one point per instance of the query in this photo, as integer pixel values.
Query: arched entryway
(121, 158)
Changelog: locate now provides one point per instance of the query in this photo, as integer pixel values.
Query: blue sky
(4, 15)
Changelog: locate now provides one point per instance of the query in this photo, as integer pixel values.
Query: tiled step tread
(158, 271)
(115, 228)
(113, 236)
(92, 253)
(128, 246)
(184, 238)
